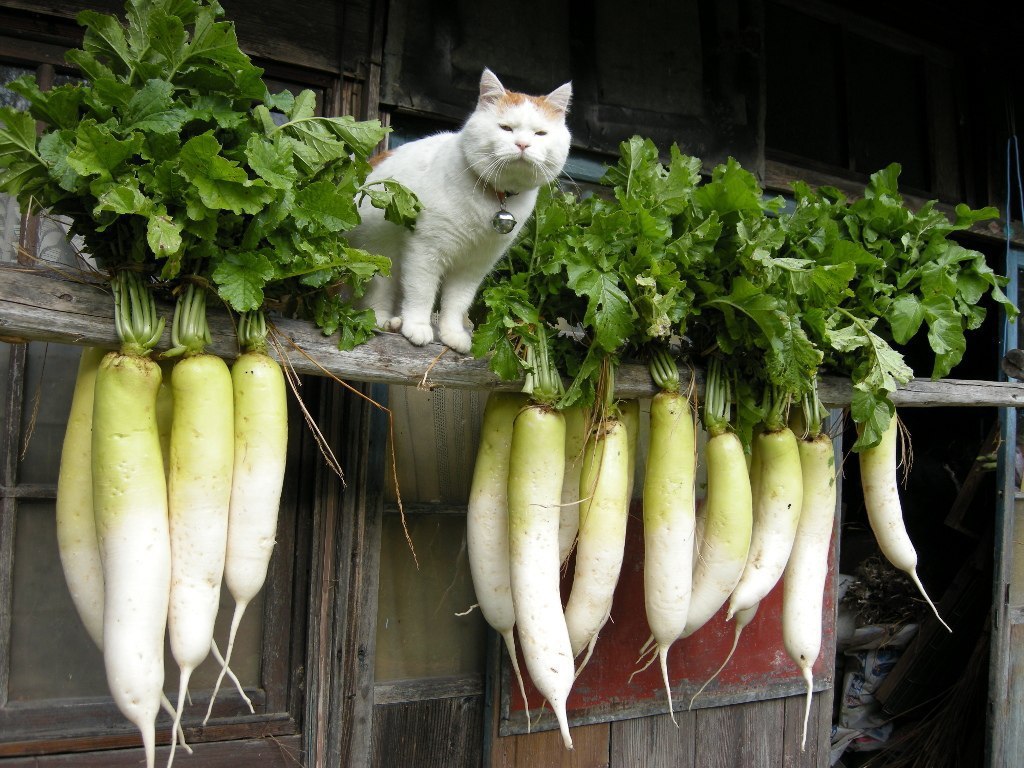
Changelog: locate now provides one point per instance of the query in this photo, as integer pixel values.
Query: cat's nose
(523, 145)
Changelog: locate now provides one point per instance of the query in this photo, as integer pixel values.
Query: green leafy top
(606, 271)
(768, 295)
(168, 155)
(879, 273)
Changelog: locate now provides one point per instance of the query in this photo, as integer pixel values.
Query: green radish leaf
(110, 94)
(303, 106)
(58, 107)
(792, 359)
(166, 35)
(215, 42)
(54, 149)
(333, 315)
(26, 181)
(967, 218)
(905, 315)
(241, 277)
(123, 199)
(220, 182)
(90, 66)
(320, 205)
(17, 135)
(98, 153)
(163, 234)
(272, 161)
(945, 333)
(362, 137)
(872, 413)
(151, 109)
(104, 39)
(399, 204)
(281, 102)
(608, 313)
(750, 300)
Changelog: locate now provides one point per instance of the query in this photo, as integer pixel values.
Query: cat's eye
(540, 133)
(505, 127)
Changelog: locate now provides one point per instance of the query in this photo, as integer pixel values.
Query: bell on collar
(503, 222)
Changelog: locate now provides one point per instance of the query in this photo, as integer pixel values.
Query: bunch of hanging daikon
(668, 266)
(167, 487)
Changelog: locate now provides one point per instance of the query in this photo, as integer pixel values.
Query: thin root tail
(510, 644)
(912, 573)
(735, 642)
(809, 679)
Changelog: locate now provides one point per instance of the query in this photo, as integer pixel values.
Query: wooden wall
(678, 71)
(450, 732)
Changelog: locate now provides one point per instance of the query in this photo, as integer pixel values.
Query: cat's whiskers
(483, 176)
(496, 164)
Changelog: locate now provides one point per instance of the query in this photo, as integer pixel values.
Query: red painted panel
(605, 690)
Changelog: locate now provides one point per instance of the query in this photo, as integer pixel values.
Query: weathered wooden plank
(9, 439)
(344, 579)
(271, 752)
(743, 734)
(423, 689)
(541, 749)
(654, 741)
(545, 749)
(446, 732)
(1008, 714)
(815, 752)
(36, 306)
(85, 724)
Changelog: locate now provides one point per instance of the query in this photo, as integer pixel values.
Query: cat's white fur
(510, 145)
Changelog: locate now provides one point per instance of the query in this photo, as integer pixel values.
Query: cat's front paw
(418, 333)
(458, 339)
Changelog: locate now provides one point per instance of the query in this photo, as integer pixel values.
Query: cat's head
(516, 142)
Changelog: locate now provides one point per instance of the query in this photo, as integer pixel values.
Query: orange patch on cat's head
(514, 98)
(376, 159)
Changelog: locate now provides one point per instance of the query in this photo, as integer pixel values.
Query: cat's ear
(491, 88)
(560, 97)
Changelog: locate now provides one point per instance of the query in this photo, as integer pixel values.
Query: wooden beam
(43, 306)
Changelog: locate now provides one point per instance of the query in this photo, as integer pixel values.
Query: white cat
(509, 146)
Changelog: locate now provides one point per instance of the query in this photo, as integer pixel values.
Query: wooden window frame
(949, 178)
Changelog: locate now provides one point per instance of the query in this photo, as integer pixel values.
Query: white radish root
(885, 512)
(487, 529)
(536, 466)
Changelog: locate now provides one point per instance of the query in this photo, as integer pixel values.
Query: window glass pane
(54, 247)
(887, 88)
(418, 631)
(10, 227)
(52, 656)
(805, 113)
(9, 98)
(49, 383)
